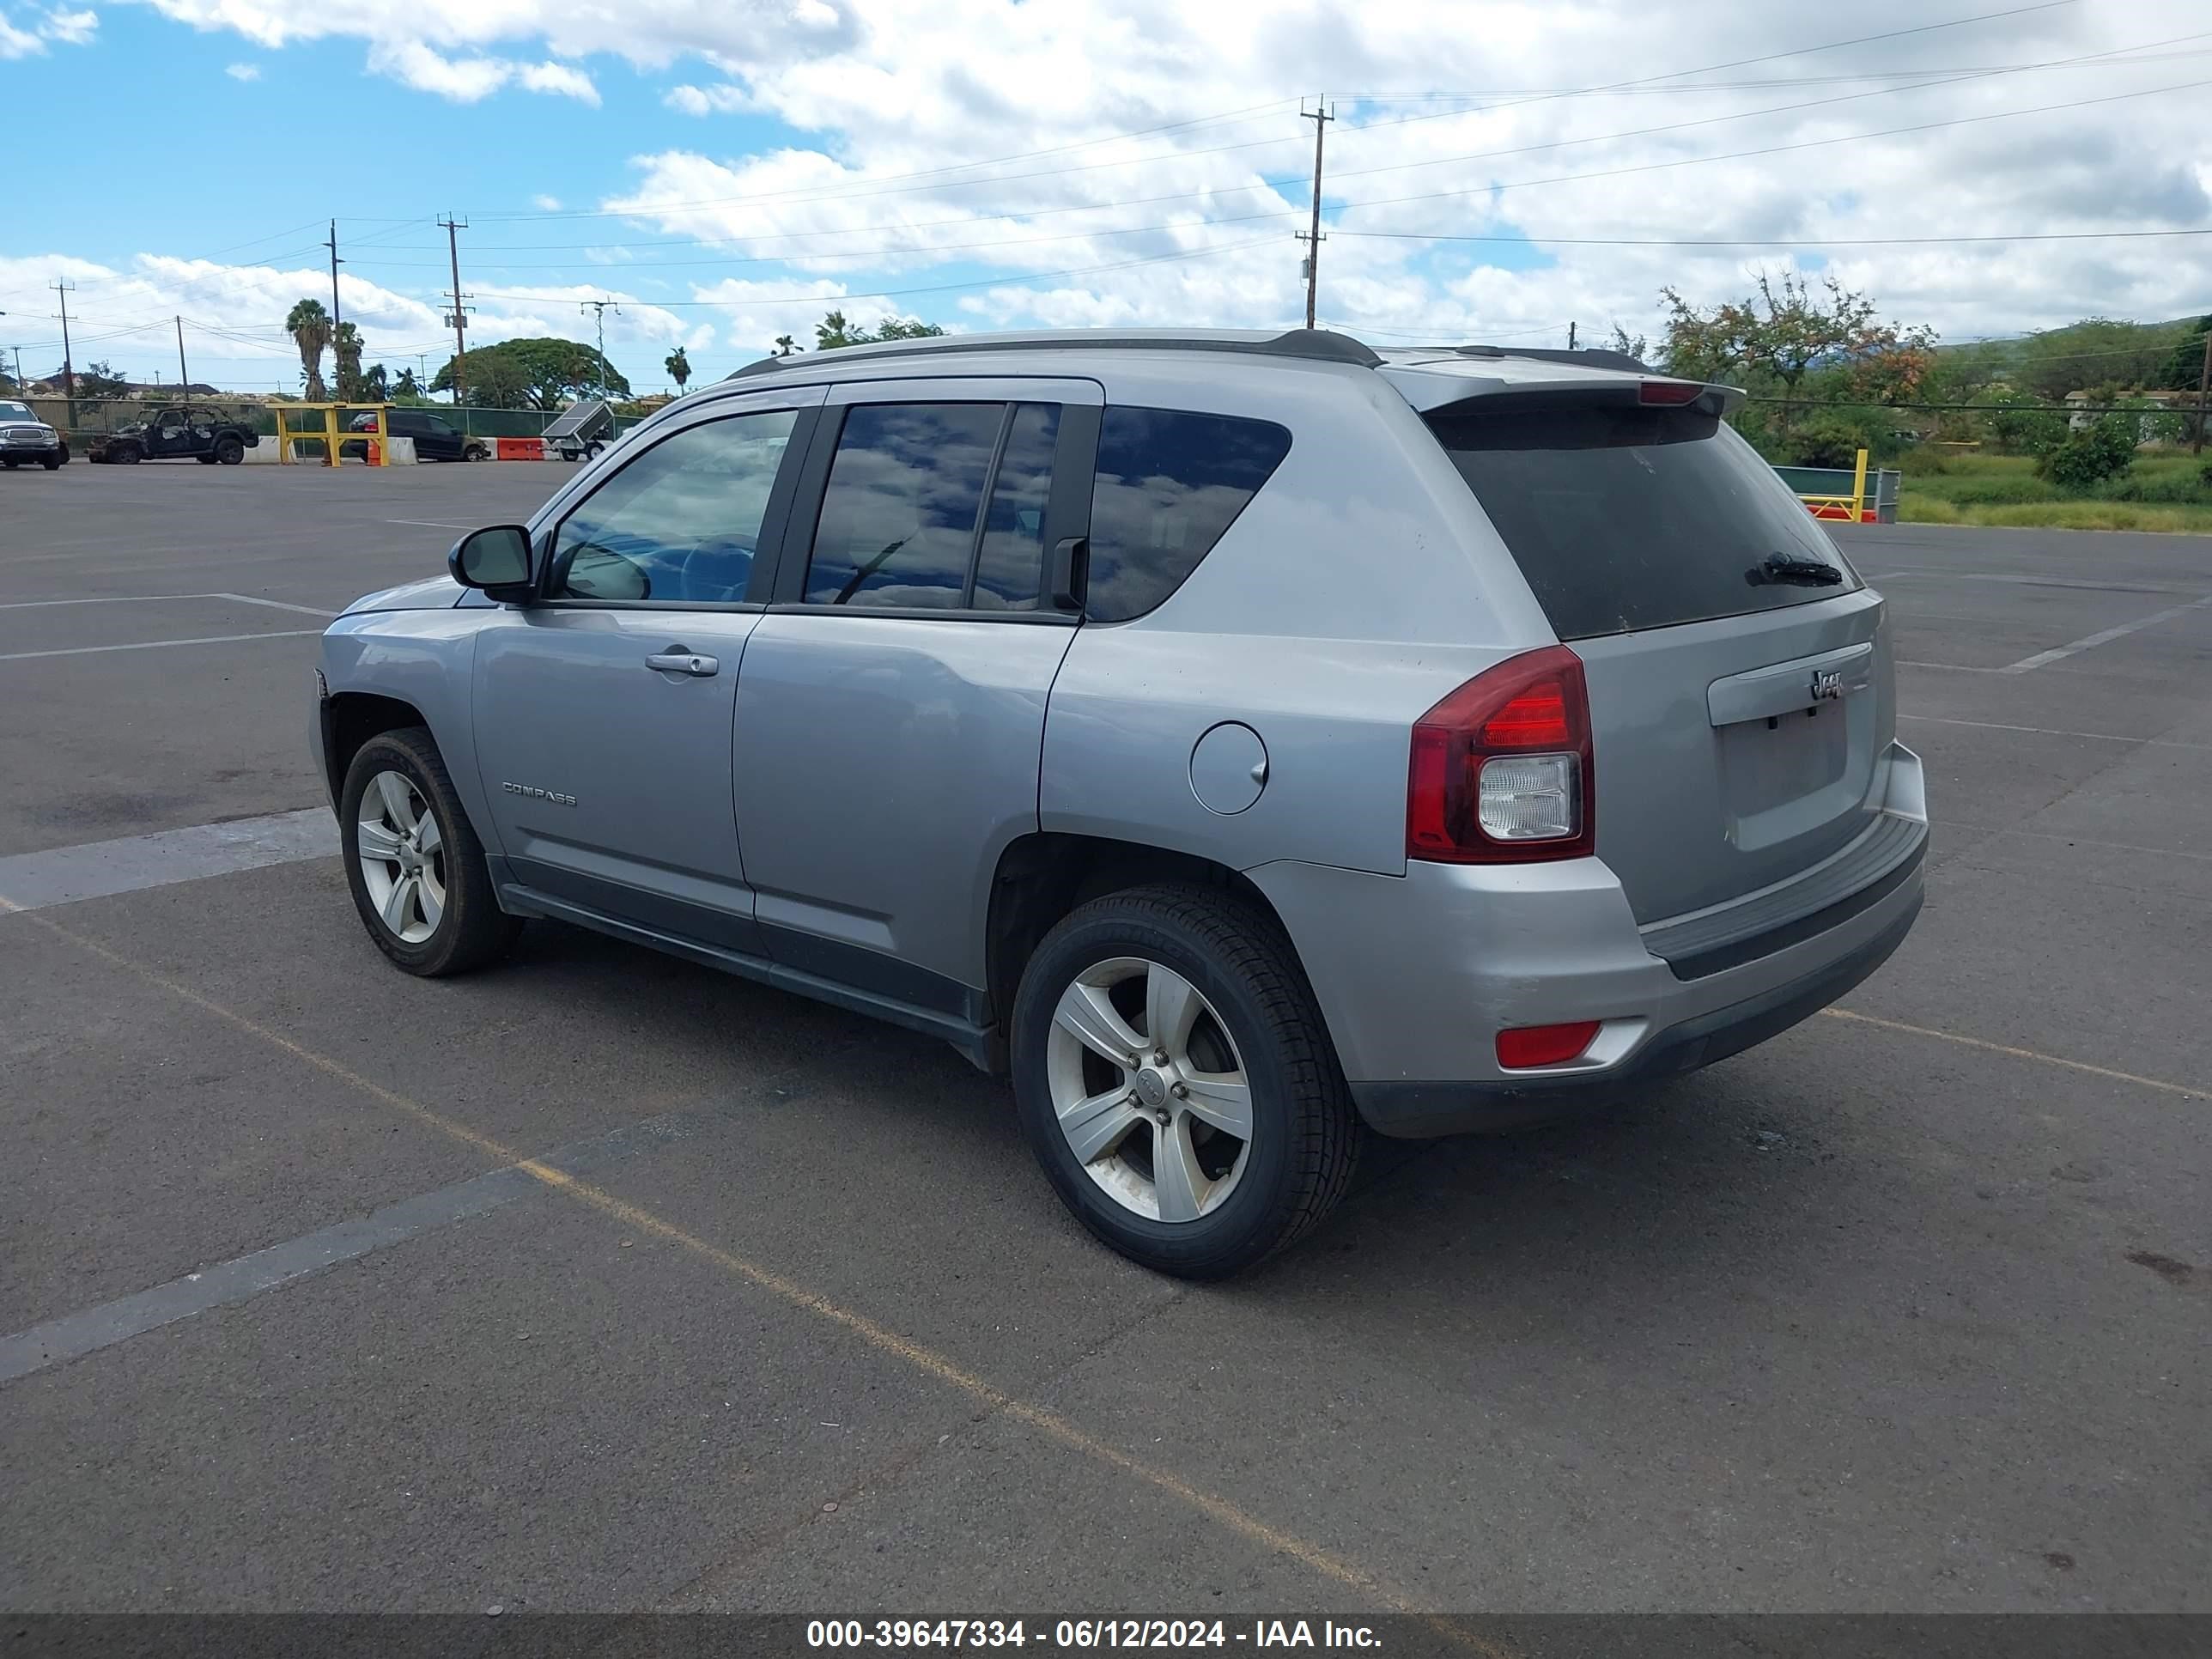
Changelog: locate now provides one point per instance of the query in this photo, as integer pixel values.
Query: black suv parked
(436, 438)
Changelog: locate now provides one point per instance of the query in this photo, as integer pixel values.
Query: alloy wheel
(403, 857)
(1149, 1090)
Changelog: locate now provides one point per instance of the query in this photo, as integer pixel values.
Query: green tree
(309, 325)
(403, 388)
(542, 374)
(2104, 449)
(784, 345)
(1773, 339)
(2095, 352)
(345, 349)
(101, 380)
(2018, 424)
(375, 386)
(833, 331)
(678, 367)
(490, 378)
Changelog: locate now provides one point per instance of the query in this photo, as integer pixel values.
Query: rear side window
(1623, 518)
(1168, 485)
(898, 520)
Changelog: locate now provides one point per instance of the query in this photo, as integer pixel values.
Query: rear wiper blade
(1780, 568)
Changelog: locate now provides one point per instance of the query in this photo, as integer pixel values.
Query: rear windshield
(1626, 518)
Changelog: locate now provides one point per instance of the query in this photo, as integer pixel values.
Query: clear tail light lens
(1501, 768)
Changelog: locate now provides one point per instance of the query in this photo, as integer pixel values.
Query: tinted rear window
(1168, 485)
(1623, 519)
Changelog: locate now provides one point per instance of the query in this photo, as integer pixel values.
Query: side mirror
(496, 558)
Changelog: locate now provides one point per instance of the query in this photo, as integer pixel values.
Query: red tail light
(1670, 391)
(1501, 769)
(1544, 1045)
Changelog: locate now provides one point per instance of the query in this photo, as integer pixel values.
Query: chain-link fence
(88, 417)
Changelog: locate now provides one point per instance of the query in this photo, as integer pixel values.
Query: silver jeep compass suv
(1233, 737)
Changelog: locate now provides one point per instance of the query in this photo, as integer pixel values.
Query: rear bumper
(1420, 1110)
(1417, 974)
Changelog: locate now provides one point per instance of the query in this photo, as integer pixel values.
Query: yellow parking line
(1050, 1424)
(2181, 1089)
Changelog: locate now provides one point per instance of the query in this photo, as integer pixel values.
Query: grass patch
(2070, 514)
(2166, 493)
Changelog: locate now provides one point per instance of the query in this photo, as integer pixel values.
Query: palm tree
(404, 386)
(345, 348)
(678, 367)
(309, 325)
(784, 345)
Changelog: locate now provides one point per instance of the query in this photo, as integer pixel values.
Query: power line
(1777, 150)
(1400, 167)
(817, 193)
(905, 293)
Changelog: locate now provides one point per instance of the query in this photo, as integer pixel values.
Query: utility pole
(2203, 385)
(453, 228)
(184, 380)
(338, 355)
(1320, 115)
(601, 307)
(62, 285)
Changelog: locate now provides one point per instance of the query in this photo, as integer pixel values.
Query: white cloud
(243, 71)
(560, 79)
(882, 175)
(708, 101)
(54, 26)
(71, 28)
(546, 203)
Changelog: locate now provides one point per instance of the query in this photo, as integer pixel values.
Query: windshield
(11, 411)
(1624, 519)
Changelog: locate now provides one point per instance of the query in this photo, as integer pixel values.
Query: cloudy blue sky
(727, 170)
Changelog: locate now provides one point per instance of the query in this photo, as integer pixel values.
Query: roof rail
(1311, 344)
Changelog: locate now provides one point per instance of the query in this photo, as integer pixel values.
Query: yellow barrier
(378, 437)
(1851, 509)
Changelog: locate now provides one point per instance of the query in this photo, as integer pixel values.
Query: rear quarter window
(1168, 485)
(1623, 518)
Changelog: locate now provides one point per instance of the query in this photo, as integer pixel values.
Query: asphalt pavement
(603, 1282)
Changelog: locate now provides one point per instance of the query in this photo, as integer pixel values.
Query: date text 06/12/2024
(1081, 1634)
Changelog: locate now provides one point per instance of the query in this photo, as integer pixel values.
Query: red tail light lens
(1544, 1045)
(1668, 393)
(1501, 768)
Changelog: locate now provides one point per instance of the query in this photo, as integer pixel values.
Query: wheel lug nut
(1165, 1116)
(1179, 1090)
(1159, 1056)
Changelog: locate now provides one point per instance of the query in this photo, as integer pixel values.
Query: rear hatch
(1740, 684)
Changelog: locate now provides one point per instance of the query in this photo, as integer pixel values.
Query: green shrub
(1831, 439)
(2028, 431)
(2104, 449)
(2204, 475)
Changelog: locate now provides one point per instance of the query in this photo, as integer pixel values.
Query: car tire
(205, 460)
(1239, 1198)
(229, 452)
(469, 929)
(10, 463)
(126, 455)
(52, 464)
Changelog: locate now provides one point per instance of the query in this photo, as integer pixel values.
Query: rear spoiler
(1652, 392)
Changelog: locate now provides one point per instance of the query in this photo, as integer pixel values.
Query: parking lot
(602, 1281)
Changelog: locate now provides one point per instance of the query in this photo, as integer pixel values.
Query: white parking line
(164, 599)
(2102, 637)
(163, 645)
(2056, 732)
(432, 524)
(102, 869)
